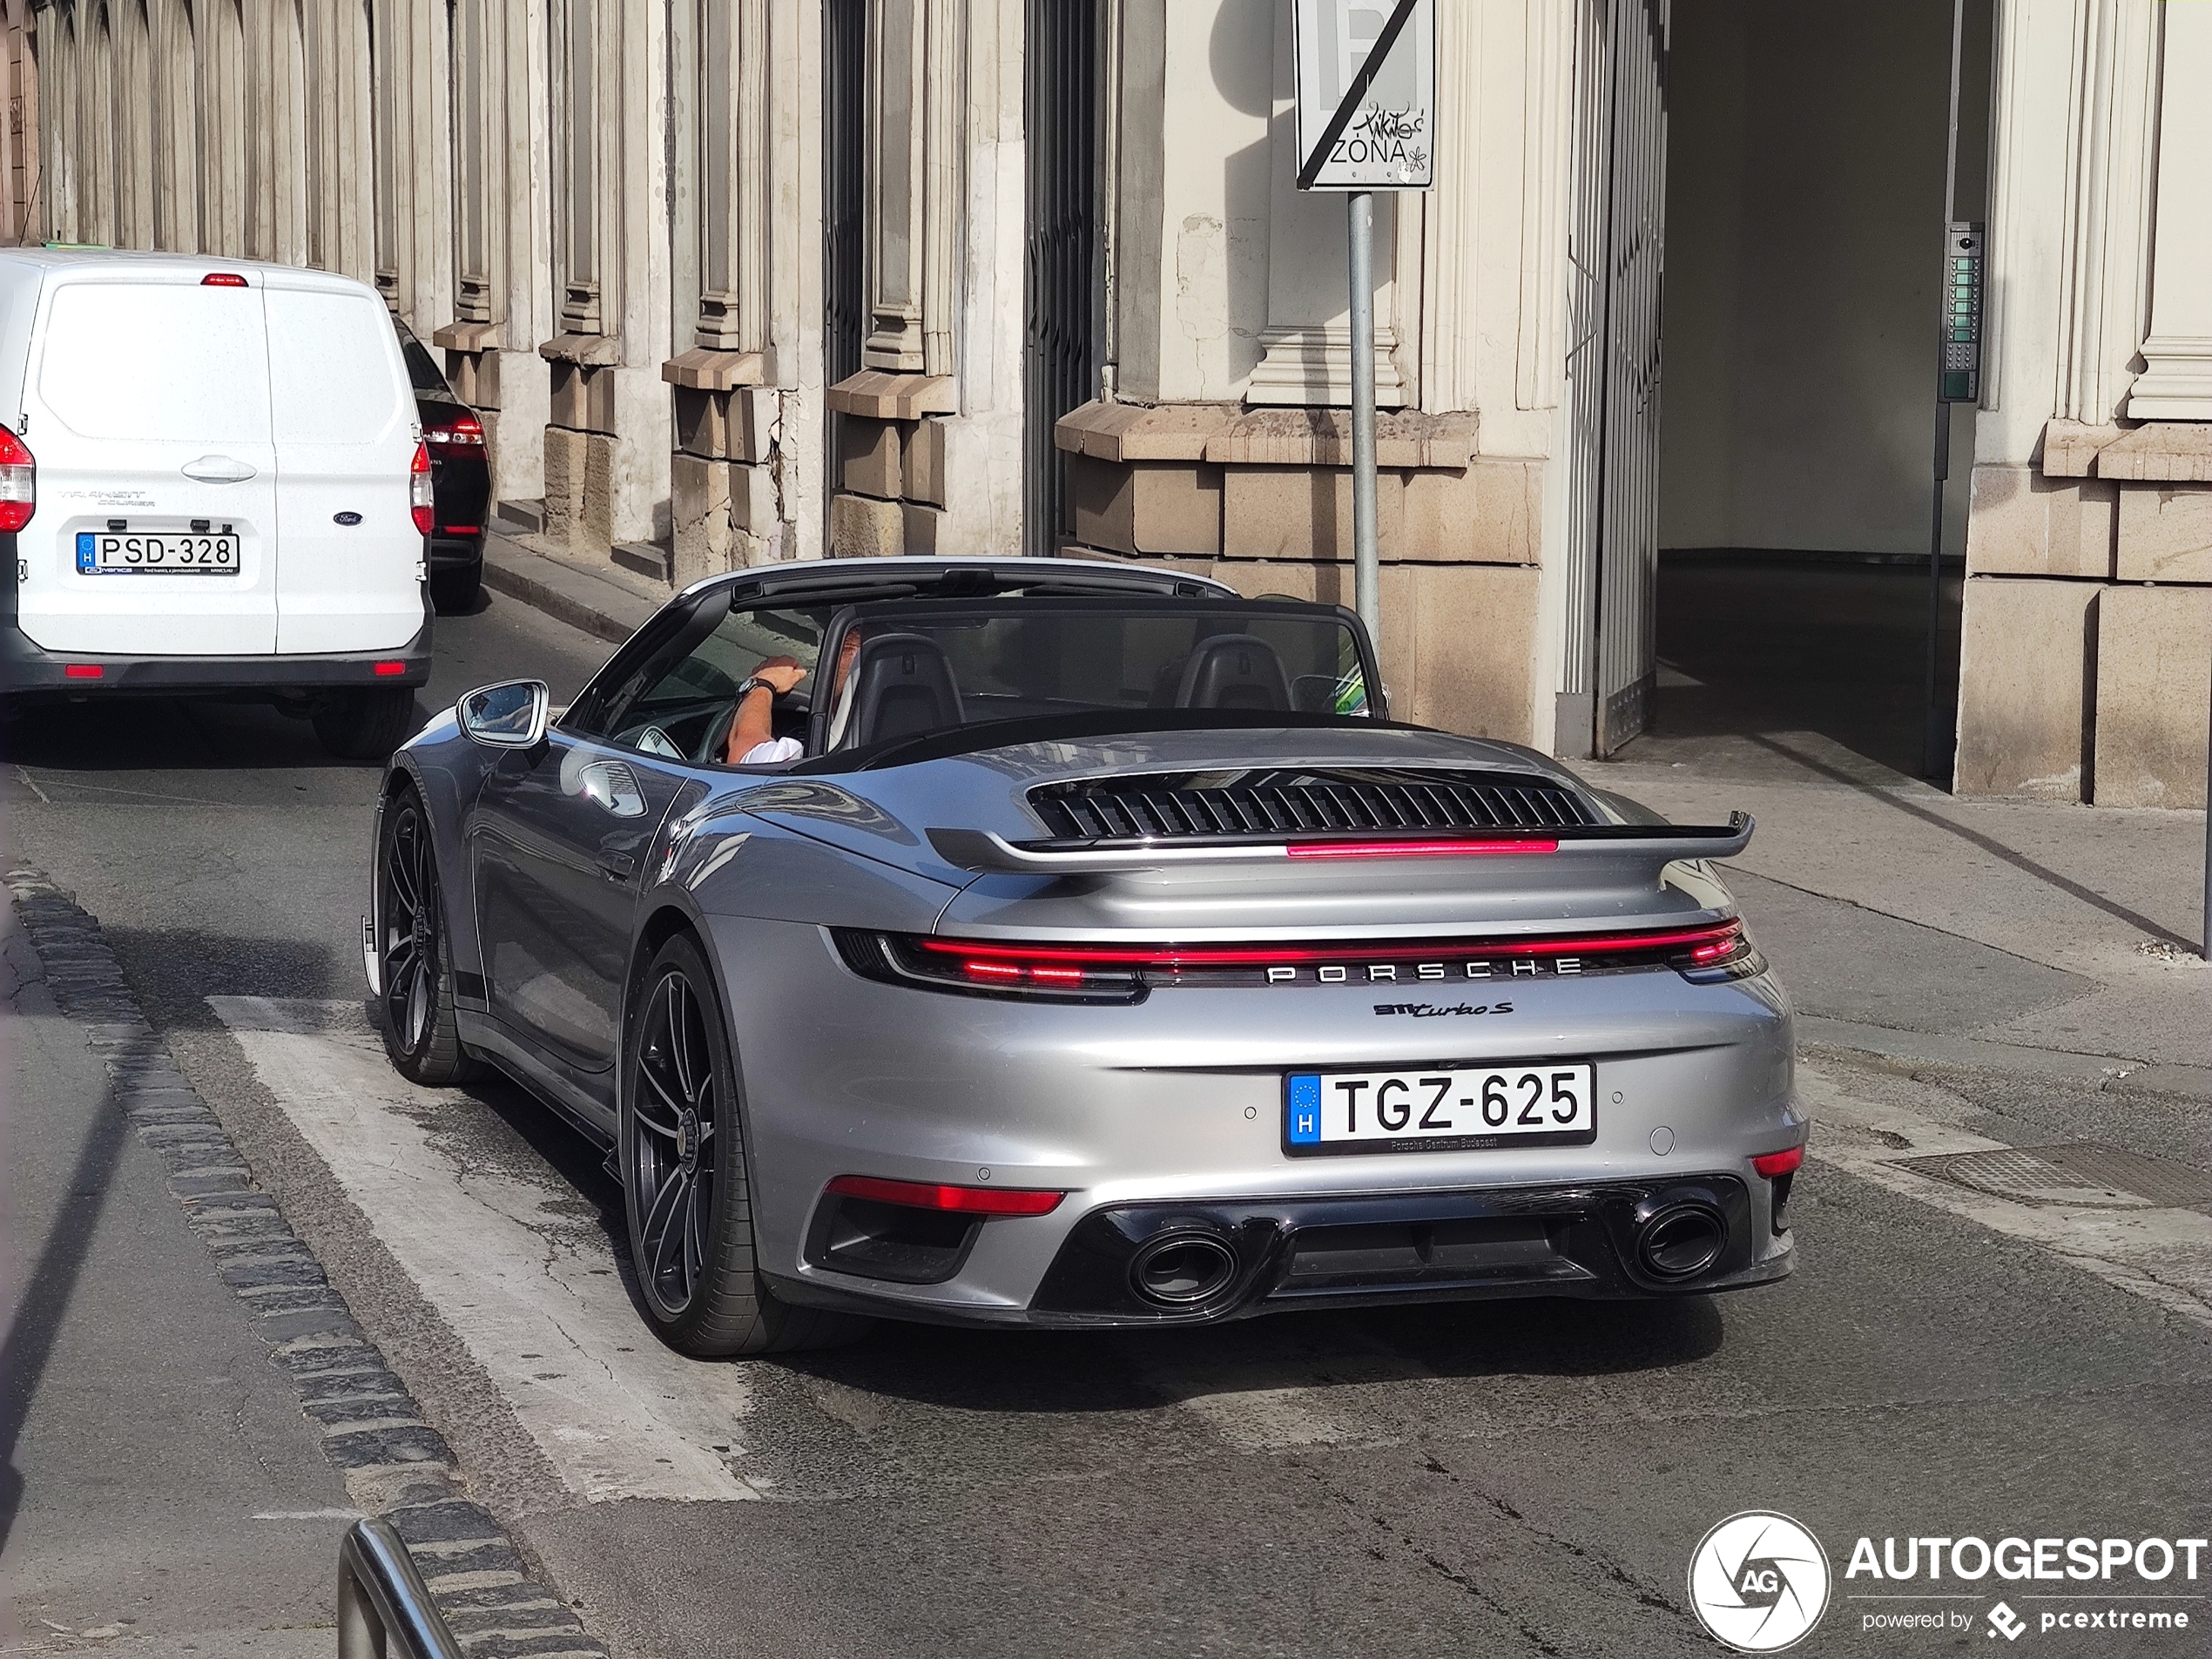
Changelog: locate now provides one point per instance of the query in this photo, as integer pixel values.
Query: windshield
(920, 667)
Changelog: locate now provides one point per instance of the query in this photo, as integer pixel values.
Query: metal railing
(384, 1608)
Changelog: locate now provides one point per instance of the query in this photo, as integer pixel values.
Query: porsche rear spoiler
(1657, 843)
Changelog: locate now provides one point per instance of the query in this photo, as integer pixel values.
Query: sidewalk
(162, 1494)
(2062, 939)
(1906, 922)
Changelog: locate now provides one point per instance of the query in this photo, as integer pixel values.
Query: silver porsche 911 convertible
(1046, 942)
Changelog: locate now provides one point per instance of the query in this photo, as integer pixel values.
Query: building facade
(742, 280)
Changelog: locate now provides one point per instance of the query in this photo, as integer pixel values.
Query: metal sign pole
(1360, 208)
(1365, 118)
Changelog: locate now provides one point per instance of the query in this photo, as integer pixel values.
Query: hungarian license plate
(118, 553)
(1440, 1109)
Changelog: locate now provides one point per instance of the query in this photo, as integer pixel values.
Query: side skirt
(575, 1106)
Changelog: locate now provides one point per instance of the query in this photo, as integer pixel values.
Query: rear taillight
(222, 280)
(463, 430)
(1726, 954)
(421, 496)
(18, 482)
(1051, 971)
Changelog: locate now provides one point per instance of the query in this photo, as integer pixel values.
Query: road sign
(1367, 94)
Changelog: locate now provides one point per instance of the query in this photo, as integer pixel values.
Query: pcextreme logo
(1759, 1582)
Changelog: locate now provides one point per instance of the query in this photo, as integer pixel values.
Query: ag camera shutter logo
(1759, 1582)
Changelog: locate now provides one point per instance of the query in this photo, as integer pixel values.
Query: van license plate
(119, 553)
(1440, 1109)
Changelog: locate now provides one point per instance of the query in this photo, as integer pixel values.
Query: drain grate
(2084, 1173)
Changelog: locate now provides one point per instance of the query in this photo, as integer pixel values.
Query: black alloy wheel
(685, 1177)
(412, 966)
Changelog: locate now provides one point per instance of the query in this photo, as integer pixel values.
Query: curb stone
(395, 1465)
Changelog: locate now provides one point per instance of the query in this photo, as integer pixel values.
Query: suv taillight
(420, 495)
(18, 482)
(462, 429)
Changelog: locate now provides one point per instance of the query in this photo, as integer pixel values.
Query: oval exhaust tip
(1681, 1242)
(1182, 1268)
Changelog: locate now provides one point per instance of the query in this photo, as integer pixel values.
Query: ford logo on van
(346, 518)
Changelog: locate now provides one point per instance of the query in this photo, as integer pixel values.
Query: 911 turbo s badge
(1432, 1011)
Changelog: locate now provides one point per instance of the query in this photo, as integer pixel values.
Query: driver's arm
(755, 724)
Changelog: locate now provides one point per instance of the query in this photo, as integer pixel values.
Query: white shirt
(763, 754)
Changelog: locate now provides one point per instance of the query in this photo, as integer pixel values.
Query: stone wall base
(2085, 667)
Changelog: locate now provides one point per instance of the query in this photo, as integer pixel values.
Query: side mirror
(511, 715)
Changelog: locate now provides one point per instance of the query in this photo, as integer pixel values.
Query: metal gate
(1064, 293)
(1609, 666)
(844, 186)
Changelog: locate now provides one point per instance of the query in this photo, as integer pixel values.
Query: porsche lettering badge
(1415, 972)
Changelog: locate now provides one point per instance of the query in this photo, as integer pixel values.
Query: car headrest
(1233, 671)
(902, 687)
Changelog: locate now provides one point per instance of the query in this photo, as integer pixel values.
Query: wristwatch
(755, 682)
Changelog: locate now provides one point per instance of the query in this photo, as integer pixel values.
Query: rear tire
(687, 1185)
(414, 967)
(366, 724)
(454, 592)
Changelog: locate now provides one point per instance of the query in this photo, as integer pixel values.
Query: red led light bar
(83, 671)
(1414, 849)
(222, 280)
(1773, 1165)
(984, 960)
(966, 1201)
(385, 670)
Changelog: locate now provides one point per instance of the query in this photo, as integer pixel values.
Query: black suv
(460, 479)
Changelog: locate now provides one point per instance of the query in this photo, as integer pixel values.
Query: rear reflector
(1416, 849)
(83, 671)
(1773, 1165)
(385, 670)
(461, 529)
(967, 1201)
(222, 280)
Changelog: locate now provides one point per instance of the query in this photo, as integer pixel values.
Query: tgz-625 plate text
(1438, 1108)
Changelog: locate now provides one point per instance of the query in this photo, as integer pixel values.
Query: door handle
(217, 470)
(617, 866)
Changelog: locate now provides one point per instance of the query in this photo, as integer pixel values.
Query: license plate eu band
(117, 553)
(1440, 1109)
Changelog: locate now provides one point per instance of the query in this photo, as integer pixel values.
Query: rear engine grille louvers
(1302, 802)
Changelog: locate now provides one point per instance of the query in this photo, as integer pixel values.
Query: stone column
(2177, 383)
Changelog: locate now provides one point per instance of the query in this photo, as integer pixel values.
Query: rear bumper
(451, 552)
(1279, 1254)
(26, 668)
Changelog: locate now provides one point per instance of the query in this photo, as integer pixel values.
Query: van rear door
(350, 578)
(147, 400)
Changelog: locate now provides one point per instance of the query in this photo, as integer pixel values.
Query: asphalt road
(1520, 1477)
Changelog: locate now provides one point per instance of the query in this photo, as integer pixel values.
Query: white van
(211, 480)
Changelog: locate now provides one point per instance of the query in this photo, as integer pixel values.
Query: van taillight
(19, 483)
(222, 280)
(419, 494)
